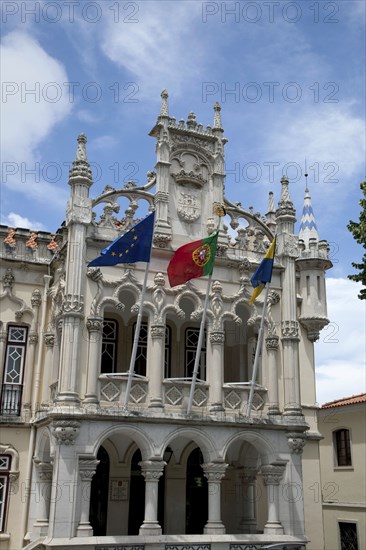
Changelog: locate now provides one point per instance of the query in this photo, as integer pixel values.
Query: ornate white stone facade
(97, 465)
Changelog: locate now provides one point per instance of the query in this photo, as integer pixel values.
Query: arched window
(12, 388)
(5, 463)
(109, 346)
(342, 447)
(191, 341)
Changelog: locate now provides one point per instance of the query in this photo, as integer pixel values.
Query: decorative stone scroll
(65, 431)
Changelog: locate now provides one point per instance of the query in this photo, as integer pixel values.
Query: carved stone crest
(189, 206)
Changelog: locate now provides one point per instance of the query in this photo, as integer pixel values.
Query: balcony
(11, 399)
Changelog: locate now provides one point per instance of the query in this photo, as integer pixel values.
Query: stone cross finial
(164, 103)
(81, 151)
(217, 120)
(271, 206)
(285, 195)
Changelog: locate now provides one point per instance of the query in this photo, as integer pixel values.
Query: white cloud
(161, 49)
(340, 352)
(28, 118)
(15, 220)
(103, 142)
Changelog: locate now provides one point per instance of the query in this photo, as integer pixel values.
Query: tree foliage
(358, 230)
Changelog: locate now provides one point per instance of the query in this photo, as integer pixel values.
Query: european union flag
(133, 246)
(263, 273)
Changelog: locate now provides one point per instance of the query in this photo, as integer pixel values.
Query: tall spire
(164, 111)
(308, 227)
(217, 119)
(80, 172)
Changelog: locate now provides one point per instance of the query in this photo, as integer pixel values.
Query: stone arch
(202, 440)
(44, 447)
(136, 434)
(264, 448)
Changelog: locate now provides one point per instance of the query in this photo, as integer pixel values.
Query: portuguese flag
(193, 260)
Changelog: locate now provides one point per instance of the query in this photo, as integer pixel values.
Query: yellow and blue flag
(133, 246)
(263, 273)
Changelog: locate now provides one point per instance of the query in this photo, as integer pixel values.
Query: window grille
(5, 462)
(109, 346)
(348, 536)
(12, 387)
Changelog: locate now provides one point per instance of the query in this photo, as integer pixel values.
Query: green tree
(358, 230)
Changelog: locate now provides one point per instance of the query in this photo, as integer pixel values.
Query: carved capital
(94, 324)
(296, 441)
(217, 337)
(290, 330)
(73, 304)
(65, 431)
(45, 470)
(157, 331)
(272, 474)
(152, 470)
(87, 468)
(272, 343)
(248, 475)
(213, 471)
(161, 196)
(161, 239)
(49, 339)
(313, 326)
(33, 338)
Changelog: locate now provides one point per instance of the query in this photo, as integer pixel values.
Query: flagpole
(136, 340)
(257, 353)
(136, 337)
(199, 346)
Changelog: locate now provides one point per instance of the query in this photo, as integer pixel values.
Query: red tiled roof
(360, 398)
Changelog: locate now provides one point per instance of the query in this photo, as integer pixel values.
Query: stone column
(62, 517)
(290, 342)
(87, 469)
(272, 349)
(215, 367)
(156, 367)
(152, 470)
(248, 523)
(49, 340)
(214, 472)
(94, 326)
(28, 371)
(272, 475)
(3, 340)
(44, 471)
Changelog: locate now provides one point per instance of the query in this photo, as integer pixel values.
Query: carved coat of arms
(189, 207)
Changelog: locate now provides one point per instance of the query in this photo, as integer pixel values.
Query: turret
(312, 263)
(190, 176)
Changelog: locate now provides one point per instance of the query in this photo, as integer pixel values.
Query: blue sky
(291, 81)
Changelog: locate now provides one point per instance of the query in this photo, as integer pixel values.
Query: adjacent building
(81, 470)
(342, 463)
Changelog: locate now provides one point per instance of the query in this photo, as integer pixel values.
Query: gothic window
(141, 355)
(109, 346)
(167, 352)
(342, 447)
(191, 341)
(348, 535)
(5, 462)
(12, 387)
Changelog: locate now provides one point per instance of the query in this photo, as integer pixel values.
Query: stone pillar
(49, 340)
(248, 523)
(94, 326)
(87, 469)
(215, 367)
(156, 366)
(272, 475)
(290, 343)
(272, 349)
(28, 371)
(214, 472)
(62, 517)
(3, 340)
(44, 471)
(152, 470)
